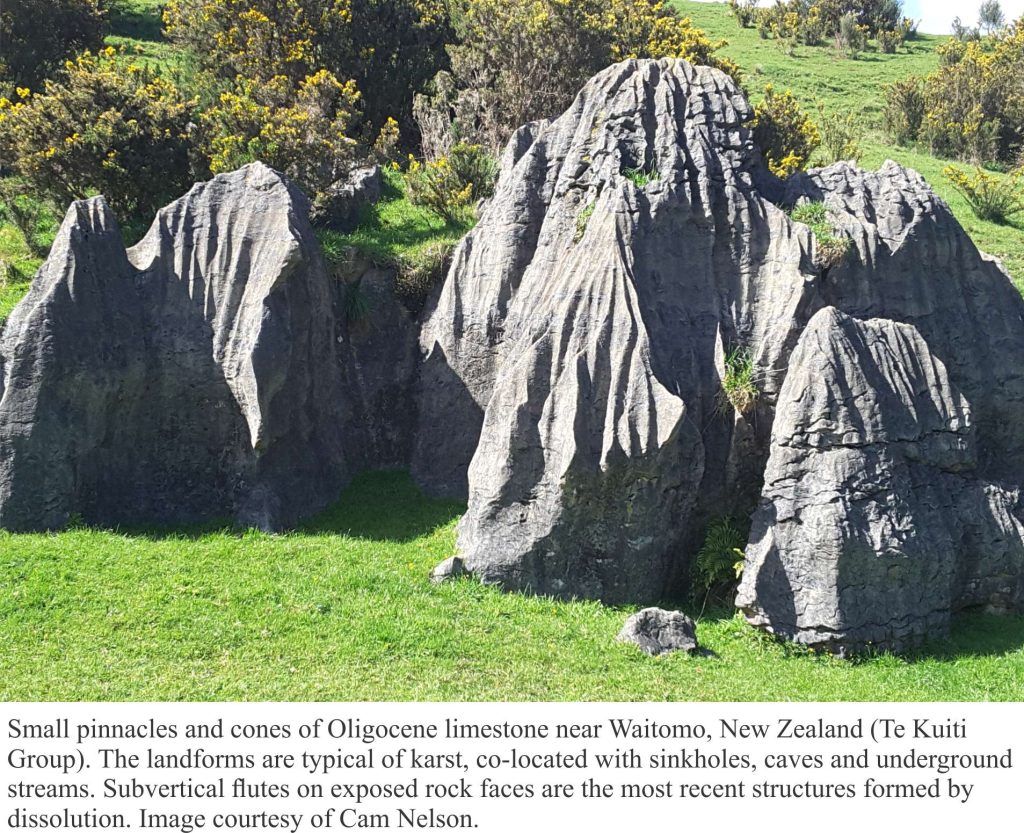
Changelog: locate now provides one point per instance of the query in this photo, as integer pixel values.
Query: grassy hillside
(343, 610)
(819, 74)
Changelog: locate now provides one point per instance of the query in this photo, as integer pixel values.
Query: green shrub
(831, 248)
(105, 126)
(739, 388)
(889, 41)
(388, 49)
(451, 184)
(36, 36)
(745, 12)
(904, 110)
(974, 102)
(719, 562)
(513, 63)
(992, 197)
(852, 37)
(785, 134)
(304, 131)
(840, 137)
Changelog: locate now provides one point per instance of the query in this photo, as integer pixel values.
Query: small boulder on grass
(655, 631)
(448, 570)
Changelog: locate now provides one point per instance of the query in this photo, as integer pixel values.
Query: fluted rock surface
(578, 347)
(579, 342)
(875, 524)
(192, 376)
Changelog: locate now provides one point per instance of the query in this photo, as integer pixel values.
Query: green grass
(819, 74)
(394, 231)
(343, 610)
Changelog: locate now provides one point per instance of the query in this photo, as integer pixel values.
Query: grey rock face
(340, 205)
(447, 570)
(655, 631)
(577, 349)
(875, 523)
(193, 376)
(572, 386)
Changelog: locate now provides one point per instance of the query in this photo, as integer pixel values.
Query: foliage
(991, 197)
(811, 22)
(422, 270)
(103, 127)
(830, 247)
(36, 36)
(738, 385)
(641, 176)
(583, 220)
(719, 562)
(851, 37)
(303, 131)
(451, 184)
(389, 49)
(889, 41)
(513, 63)
(745, 12)
(785, 134)
(904, 110)
(990, 17)
(975, 100)
(840, 136)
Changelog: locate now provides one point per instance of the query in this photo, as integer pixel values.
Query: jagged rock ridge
(192, 376)
(578, 347)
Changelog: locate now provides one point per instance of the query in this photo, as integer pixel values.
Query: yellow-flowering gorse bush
(786, 135)
(105, 126)
(516, 62)
(301, 129)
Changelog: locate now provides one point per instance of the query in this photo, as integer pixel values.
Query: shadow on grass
(384, 506)
(376, 506)
(136, 20)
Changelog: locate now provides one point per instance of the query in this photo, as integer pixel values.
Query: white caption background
(348, 767)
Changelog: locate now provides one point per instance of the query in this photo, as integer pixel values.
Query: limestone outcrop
(876, 523)
(192, 376)
(578, 348)
(568, 378)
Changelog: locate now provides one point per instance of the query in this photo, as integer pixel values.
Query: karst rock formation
(567, 380)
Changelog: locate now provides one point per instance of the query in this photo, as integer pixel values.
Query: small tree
(991, 18)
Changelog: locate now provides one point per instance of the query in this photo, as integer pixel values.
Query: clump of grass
(641, 177)
(738, 386)
(422, 271)
(830, 248)
(719, 562)
(582, 220)
(395, 234)
(991, 197)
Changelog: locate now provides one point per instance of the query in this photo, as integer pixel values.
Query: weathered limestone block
(577, 348)
(874, 525)
(655, 631)
(192, 376)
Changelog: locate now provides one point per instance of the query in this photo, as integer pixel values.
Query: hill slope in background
(820, 75)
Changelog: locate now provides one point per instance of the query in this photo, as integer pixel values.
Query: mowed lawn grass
(344, 610)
